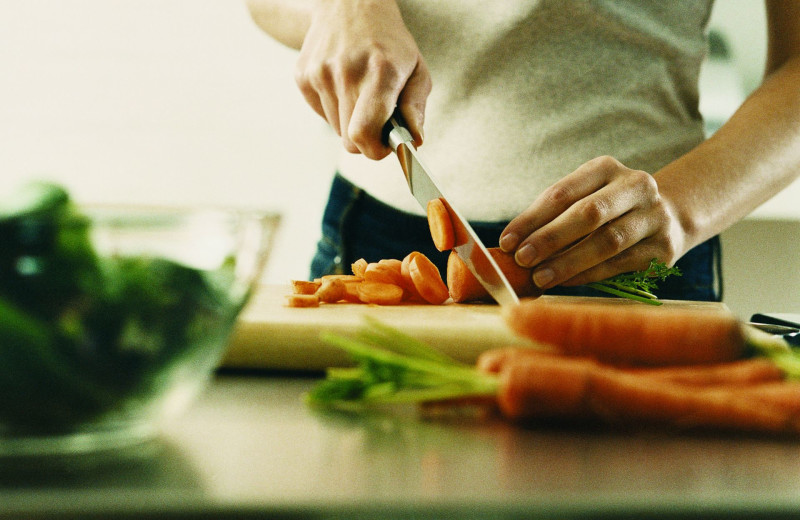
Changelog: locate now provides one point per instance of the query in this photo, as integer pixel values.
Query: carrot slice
(465, 287)
(358, 267)
(380, 293)
(331, 290)
(304, 287)
(302, 300)
(630, 334)
(408, 284)
(384, 272)
(440, 224)
(427, 279)
(342, 277)
(351, 292)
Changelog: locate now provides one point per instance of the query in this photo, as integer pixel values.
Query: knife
(424, 188)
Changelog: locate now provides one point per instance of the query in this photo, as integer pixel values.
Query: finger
(605, 242)
(366, 126)
(635, 258)
(556, 199)
(309, 93)
(379, 95)
(347, 102)
(577, 222)
(413, 99)
(317, 87)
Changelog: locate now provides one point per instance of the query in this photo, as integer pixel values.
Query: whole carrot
(739, 373)
(561, 387)
(630, 334)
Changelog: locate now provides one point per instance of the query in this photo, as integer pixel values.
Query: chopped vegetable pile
(80, 333)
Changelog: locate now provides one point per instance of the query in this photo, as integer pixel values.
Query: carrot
(358, 267)
(342, 277)
(302, 300)
(742, 372)
(304, 287)
(384, 271)
(582, 388)
(630, 334)
(465, 287)
(351, 292)
(427, 280)
(331, 290)
(408, 284)
(440, 224)
(380, 293)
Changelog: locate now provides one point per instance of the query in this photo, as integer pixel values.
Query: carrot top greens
(638, 285)
(394, 368)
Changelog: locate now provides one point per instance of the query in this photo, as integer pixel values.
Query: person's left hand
(601, 220)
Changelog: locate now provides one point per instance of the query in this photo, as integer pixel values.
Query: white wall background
(162, 101)
(187, 102)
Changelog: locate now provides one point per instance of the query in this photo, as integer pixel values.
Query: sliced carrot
(358, 267)
(393, 263)
(412, 294)
(342, 277)
(464, 287)
(383, 272)
(427, 280)
(304, 287)
(351, 292)
(380, 293)
(630, 334)
(331, 290)
(302, 300)
(440, 224)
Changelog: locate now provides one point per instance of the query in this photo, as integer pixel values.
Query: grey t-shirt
(525, 91)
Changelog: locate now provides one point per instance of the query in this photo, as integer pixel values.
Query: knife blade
(424, 188)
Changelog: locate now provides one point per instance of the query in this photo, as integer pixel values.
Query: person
(568, 133)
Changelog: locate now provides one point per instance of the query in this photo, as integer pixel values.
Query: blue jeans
(356, 225)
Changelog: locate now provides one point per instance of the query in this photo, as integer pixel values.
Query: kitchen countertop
(250, 448)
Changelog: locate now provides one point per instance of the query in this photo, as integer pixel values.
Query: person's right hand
(358, 61)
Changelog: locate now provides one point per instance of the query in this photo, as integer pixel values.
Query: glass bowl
(113, 319)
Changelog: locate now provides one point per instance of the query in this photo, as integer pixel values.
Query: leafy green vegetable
(394, 368)
(81, 334)
(638, 285)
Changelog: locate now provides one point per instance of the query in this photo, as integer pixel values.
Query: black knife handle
(388, 127)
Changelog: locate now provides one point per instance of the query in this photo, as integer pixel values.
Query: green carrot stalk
(394, 368)
(638, 285)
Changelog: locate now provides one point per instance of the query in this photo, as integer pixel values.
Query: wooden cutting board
(270, 335)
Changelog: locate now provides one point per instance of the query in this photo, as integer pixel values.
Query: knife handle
(395, 131)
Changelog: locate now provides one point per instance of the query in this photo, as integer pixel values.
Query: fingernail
(525, 255)
(542, 277)
(508, 242)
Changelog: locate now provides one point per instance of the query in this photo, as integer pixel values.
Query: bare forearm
(286, 21)
(747, 161)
